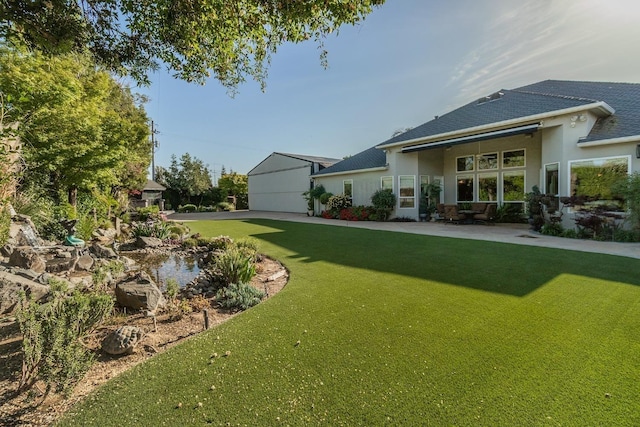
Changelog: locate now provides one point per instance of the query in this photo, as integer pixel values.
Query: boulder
(84, 263)
(123, 340)
(25, 257)
(10, 287)
(139, 293)
(6, 250)
(148, 242)
(102, 251)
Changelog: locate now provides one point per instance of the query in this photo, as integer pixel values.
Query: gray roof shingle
(538, 98)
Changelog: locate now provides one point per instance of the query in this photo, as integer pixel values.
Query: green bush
(52, 333)
(159, 229)
(173, 288)
(552, 229)
(324, 198)
(189, 243)
(383, 201)
(188, 208)
(239, 296)
(149, 212)
(225, 206)
(235, 266)
(179, 229)
(220, 242)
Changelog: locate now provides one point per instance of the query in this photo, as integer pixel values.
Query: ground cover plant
(380, 328)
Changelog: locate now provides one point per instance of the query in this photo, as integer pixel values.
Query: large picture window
(513, 186)
(488, 187)
(593, 179)
(407, 186)
(464, 188)
(424, 181)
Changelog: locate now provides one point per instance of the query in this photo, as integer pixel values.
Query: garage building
(276, 184)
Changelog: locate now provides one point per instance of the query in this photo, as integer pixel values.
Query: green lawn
(401, 329)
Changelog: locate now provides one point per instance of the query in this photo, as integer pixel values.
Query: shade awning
(473, 138)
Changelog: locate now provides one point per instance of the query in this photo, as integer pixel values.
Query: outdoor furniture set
(478, 213)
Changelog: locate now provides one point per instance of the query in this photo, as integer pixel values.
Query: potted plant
(309, 199)
(424, 213)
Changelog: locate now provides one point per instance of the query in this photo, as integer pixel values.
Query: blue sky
(407, 62)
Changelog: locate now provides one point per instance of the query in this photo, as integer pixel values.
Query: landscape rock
(139, 293)
(10, 287)
(102, 251)
(123, 340)
(143, 242)
(6, 250)
(85, 263)
(25, 257)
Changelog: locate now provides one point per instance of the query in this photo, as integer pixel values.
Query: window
(487, 187)
(551, 178)
(465, 188)
(347, 188)
(513, 159)
(488, 161)
(513, 186)
(407, 187)
(386, 183)
(464, 164)
(439, 180)
(594, 178)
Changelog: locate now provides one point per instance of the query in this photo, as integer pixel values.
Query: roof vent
(493, 97)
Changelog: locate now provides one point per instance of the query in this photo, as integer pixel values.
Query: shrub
(189, 243)
(178, 229)
(357, 213)
(225, 206)
(149, 212)
(235, 266)
(52, 333)
(239, 296)
(383, 202)
(220, 242)
(552, 229)
(158, 229)
(328, 214)
(188, 208)
(338, 202)
(324, 198)
(172, 288)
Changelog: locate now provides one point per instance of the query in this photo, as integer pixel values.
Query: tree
(234, 183)
(194, 38)
(79, 128)
(186, 180)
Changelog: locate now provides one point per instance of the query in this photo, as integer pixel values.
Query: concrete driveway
(506, 233)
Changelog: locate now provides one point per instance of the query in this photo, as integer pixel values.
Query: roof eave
(600, 108)
(610, 141)
(349, 172)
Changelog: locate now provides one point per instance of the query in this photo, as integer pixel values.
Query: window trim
(570, 162)
(495, 175)
(544, 175)
(413, 198)
(511, 151)
(481, 155)
(473, 185)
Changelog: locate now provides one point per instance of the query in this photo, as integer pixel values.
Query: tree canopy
(186, 179)
(79, 128)
(194, 38)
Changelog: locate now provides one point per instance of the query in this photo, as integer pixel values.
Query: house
(276, 184)
(566, 137)
(150, 195)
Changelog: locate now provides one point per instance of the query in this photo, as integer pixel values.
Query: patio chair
(488, 216)
(451, 215)
(440, 212)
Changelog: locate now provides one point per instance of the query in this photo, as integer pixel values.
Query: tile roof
(538, 98)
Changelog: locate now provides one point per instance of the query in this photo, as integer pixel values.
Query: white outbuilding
(276, 184)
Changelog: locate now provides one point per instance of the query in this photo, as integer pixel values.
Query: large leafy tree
(187, 180)
(233, 183)
(79, 128)
(231, 39)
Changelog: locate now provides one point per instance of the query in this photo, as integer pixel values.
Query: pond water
(164, 266)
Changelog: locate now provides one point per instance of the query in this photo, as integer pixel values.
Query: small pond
(163, 266)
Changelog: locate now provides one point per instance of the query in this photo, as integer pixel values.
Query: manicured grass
(400, 329)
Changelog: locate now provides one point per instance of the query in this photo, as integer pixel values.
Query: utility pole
(154, 145)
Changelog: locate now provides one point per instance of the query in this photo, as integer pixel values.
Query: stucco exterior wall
(364, 185)
(277, 184)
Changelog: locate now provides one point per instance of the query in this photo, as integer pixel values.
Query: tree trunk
(73, 196)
